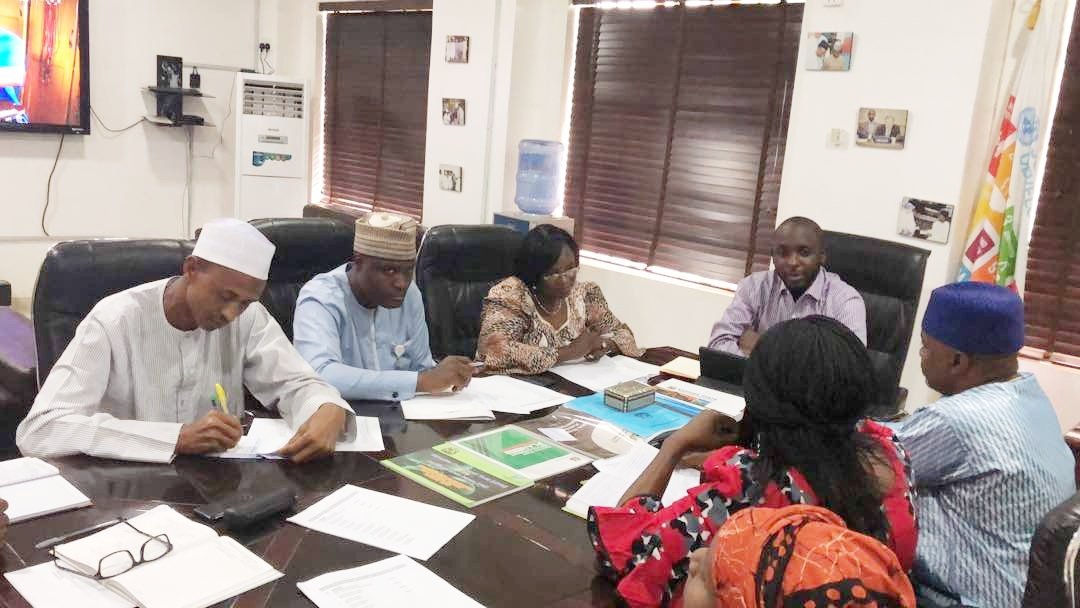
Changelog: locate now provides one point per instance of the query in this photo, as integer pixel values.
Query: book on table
(161, 559)
(33, 488)
(482, 467)
(589, 434)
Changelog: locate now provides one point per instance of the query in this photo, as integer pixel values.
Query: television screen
(44, 66)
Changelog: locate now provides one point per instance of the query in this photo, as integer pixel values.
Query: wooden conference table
(521, 550)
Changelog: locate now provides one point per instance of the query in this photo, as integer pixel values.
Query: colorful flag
(1008, 189)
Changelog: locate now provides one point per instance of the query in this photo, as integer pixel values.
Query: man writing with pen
(137, 380)
(361, 326)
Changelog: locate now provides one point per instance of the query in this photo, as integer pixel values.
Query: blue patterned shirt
(988, 464)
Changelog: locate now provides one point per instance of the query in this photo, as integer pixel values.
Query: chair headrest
(468, 253)
(875, 265)
(305, 245)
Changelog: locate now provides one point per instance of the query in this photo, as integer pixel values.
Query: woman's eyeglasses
(119, 562)
(569, 274)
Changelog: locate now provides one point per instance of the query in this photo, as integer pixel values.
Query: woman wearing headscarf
(803, 440)
(797, 556)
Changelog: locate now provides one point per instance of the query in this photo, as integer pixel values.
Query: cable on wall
(94, 113)
(48, 184)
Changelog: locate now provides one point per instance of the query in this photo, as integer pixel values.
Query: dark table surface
(521, 550)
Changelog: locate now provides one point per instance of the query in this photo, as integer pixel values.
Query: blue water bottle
(539, 166)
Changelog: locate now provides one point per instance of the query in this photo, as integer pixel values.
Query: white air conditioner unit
(271, 146)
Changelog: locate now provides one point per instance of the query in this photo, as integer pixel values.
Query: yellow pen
(223, 401)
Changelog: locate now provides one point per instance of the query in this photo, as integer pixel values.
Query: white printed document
(33, 488)
(616, 476)
(605, 372)
(481, 398)
(384, 521)
(268, 435)
(390, 583)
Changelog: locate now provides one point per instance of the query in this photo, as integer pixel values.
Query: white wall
(468, 146)
(1061, 385)
(943, 70)
(129, 184)
(536, 87)
(660, 311)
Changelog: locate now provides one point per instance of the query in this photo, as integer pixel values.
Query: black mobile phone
(215, 511)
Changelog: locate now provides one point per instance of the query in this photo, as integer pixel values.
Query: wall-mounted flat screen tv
(45, 66)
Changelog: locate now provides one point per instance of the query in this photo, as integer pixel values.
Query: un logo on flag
(1028, 126)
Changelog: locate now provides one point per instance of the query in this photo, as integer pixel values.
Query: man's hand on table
(316, 438)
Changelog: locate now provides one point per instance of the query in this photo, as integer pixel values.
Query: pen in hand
(222, 399)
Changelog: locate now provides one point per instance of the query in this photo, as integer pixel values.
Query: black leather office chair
(1052, 563)
(890, 278)
(455, 268)
(305, 247)
(77, 274)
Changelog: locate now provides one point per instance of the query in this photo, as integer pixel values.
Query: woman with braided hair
(803, 440)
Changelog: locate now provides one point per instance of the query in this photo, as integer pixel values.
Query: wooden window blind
(678, 122)
(1052, 284)
(375, 120)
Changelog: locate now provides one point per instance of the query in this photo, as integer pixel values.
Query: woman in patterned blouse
(803, 440)
(542, 316)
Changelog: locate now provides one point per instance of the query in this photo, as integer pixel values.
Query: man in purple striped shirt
(798, 287)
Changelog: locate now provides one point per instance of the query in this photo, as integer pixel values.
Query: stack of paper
(33, 488)
(481, 398)
(384, 521)
(390, 583)
(605, 372)
(615, 476)
(202, 568)
(683, 367)
(268, 435)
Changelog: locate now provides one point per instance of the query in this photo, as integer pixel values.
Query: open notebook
(201, 570)
(33, 488)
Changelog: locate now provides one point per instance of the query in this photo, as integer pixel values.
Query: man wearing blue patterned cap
(988, 458)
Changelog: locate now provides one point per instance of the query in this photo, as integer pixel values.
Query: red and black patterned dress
(646, 545)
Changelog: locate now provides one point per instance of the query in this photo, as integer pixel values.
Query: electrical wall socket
(834, 2)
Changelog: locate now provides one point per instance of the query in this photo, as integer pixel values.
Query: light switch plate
(837, 138)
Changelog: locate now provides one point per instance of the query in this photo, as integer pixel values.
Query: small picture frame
(457, 49)
(453, 112)
(450, 178)
(829, 51)
(925, 220)
(170, 72)
(170, 75)
(881, 128)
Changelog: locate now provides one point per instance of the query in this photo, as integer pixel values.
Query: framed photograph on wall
(881, 128)
(450, 178)
(829, 51)
(170, 75)
(457, 49)
(453, 112)
(925, 220)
